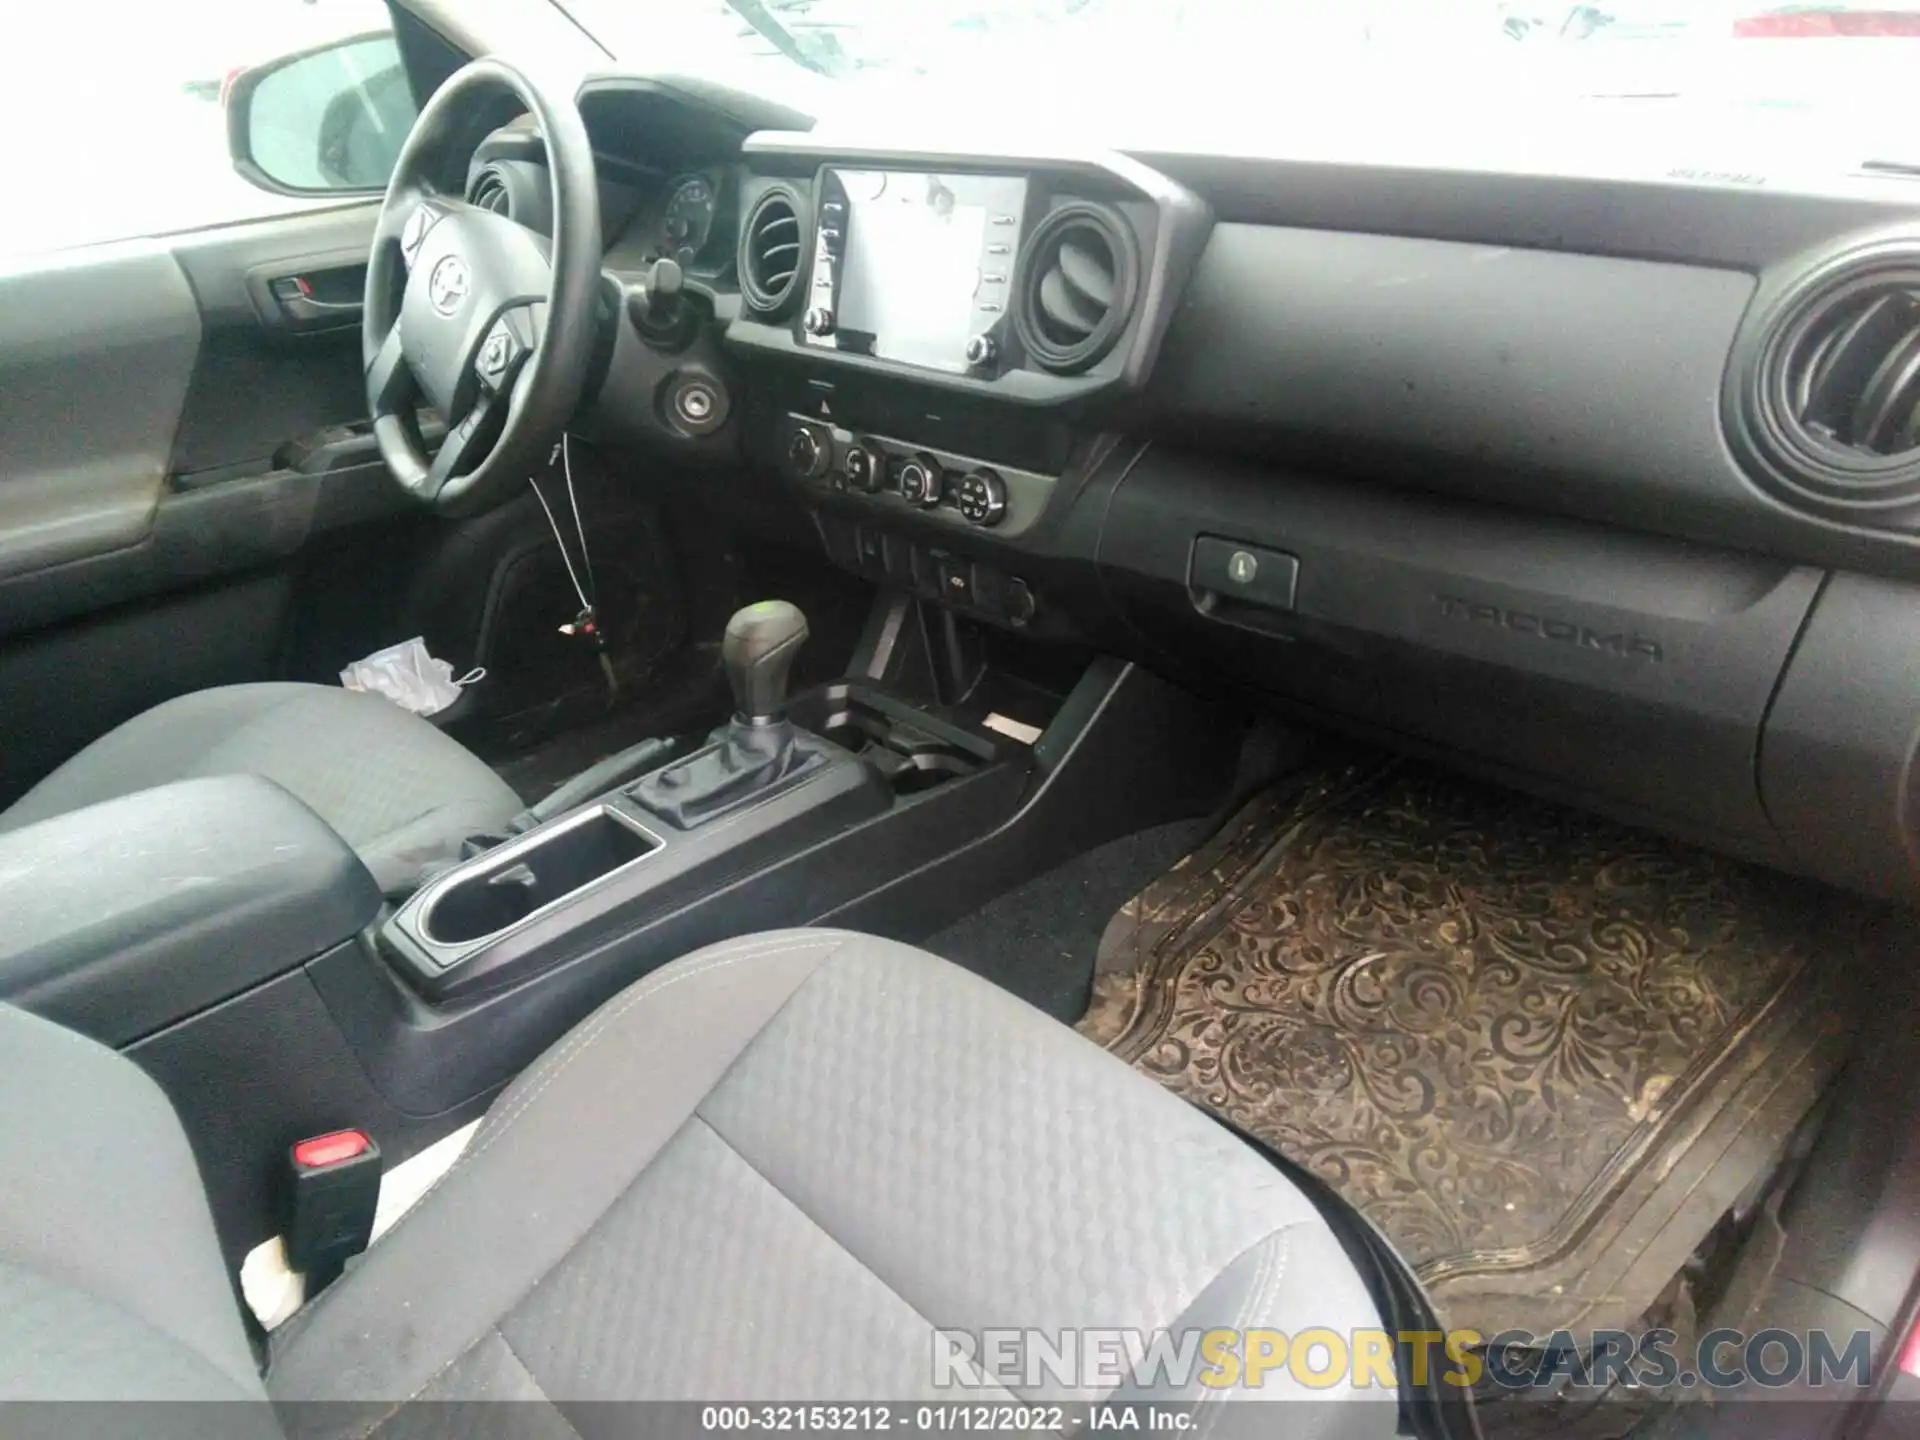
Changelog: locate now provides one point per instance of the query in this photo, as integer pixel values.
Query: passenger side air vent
(770, 251)
(489, 192)
(1833, 400)
(1074, 288)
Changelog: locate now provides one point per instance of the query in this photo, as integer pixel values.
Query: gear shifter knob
(758, 651)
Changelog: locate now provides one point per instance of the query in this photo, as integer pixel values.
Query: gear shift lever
(761, 748)
(758, 651)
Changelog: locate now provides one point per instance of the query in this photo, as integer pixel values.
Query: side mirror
(327, 121)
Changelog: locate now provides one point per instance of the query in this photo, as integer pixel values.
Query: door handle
(304, 310)
(310, 293)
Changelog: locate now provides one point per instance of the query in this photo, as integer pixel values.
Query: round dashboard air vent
(770, 251)
(1074, 292)
(1832, 400)
(519, 190)
(489, 192)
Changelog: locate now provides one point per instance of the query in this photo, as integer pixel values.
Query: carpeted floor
(1039, 941)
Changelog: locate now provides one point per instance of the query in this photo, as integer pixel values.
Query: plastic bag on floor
(407, 675)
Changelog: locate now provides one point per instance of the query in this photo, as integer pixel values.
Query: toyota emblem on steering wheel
(447, 286)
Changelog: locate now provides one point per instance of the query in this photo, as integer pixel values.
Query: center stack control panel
(914, 479)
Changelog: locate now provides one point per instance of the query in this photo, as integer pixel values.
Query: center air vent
(770, 251)
(1075, 287)
(1833, 398)
(517, 189)
(489, 192)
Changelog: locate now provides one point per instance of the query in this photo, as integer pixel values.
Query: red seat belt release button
(331, 1149)
(333, 1192)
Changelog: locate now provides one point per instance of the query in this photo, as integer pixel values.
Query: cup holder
(522, 879)
(911, 762)
(912, 749)
(926, 769)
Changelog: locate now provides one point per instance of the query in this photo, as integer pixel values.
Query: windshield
(1288, 75)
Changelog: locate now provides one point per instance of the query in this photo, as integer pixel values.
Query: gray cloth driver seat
(393, 787)
(771, 1171)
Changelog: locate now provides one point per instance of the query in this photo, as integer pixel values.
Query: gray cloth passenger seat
(767, 1171)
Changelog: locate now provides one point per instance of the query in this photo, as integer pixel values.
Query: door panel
(260, 386)
(190, 493)
(158, 428)
(170, 451)
(96, 354)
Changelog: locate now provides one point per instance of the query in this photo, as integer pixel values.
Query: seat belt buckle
(332, 1194)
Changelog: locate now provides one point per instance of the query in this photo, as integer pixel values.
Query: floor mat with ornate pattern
(1542, 1052)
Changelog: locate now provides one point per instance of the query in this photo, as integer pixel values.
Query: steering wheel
(481, 319)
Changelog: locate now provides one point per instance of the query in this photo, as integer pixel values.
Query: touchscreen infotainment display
(915, 264)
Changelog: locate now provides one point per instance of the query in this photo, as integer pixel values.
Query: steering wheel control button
(982, 497)
(698, 404)
(865, 467)
(818, 322)
(921, 482)
(497, 354)
(809, 452)
(1225, 570)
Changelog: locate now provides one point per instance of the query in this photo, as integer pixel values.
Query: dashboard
(1605, 486)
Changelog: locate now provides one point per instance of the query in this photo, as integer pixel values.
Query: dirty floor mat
(1542, 1052)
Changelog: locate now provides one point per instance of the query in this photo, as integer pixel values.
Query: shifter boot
(747, 760)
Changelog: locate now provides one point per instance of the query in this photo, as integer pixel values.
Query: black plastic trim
(1840, 761)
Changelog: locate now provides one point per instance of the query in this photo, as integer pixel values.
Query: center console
(759, 789)
(258, 975)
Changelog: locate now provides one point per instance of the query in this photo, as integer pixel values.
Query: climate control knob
(818, 321)
(865, 466)
(982, 497)
(808, 453)
(982, 351)
(922, 482)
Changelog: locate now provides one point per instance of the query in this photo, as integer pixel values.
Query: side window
(153, 119)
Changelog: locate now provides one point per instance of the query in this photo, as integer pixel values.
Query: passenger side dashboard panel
(1630, 672)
